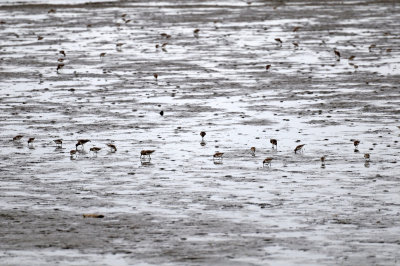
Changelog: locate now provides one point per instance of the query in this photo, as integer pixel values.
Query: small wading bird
(218, 155)
(356, 143)
(267, 67)
(63, 53)
(155, 75)
(323, 158)
(72, 153)
(253, 151)
(202, 134)
(59, 66)
(274, 143)
(95, 149)
(299, 148)
(102, 54)
(145, 153)
(279, 41)
(58, 142)
(367, 156)
(112, 147)
(337, 54)
(196, 33)
(267, 161)
(17, 138)
(81, 142)
(296, 29)
(30, 141)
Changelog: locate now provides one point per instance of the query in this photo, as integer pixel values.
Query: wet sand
(184, 208)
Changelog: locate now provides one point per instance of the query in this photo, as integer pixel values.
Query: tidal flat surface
(183, 207)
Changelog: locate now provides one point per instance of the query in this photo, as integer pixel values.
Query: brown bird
(352, 57)
(145, 153)
(253, 151)
(81, 142)
(102, 54)
(59, 66)
(295, 44)
(218, 155)
(51, 11)
(296, 29)
(274, 142)
(58, 141)
(30, 140)
(155, 75)
(196, 33)
(267, 161)
(323, 158)
(63, 53)
(278, 40)
(92, 215)
(165, 35)
(202, 134)
(267, 67)
(95, 149)
(72, 152)
(299, 148)
(337, 54)
(17, 138)
(40, 38)
(367, 156)
(371, 47)
(112, 147)
(356, 143)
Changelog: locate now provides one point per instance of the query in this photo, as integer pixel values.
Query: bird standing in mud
(30, 141)
(337, 55)
(267, 161)
(144, 153)
(274, 142)
(253, 151)
(17, 138)
(356, 143)
(58, 142)
(323, 158)
(367, 156)
(218, 155)
(299, 148)
(202, 134)
(81, 142)
(112, 147)
(95, 149)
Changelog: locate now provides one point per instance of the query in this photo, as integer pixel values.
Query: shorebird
(63, 53)
(30, 141)
(58, 142)
(267, 67)
(253, 151)
(202, 134)
(145, 153)
(323, 158)
(267, 161)
(367, 156)
(295, 44)
(352, 57)
(296, 29)
(155, 75)
(218, 155)
(59, 66)
(356, 143)
(112, 147)
(102, 54)
(95, 149)
(40, 38)
(162, 113)
(371, 47)
(17, 138)
(274, 142)
(72, 153)
(279, 41)
(299, 148)
(81, 142)
(337, 54)
(196, 33)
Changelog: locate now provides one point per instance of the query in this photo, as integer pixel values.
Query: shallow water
(184, 208)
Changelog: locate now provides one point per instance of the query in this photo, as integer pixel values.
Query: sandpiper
(202, 134)
(63, 53)
(299, 148)
(274, 142)
(337, 54)
(155, 75)
(356, 143)
(17, 138)
(102, 54)
(267, 161)
(144, 153)
(30, 141)
(72, 152)
(58, 142)
(95, 149)
(267, 67)
(367, 156)
(59, 66)
(253, 151)
(279, 41)
(112, 147)
(218, 155)
(81, 142)
(323, 158)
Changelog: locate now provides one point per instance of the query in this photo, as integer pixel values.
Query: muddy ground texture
(182, 207)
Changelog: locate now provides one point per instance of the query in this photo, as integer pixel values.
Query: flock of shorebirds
(217, 157)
